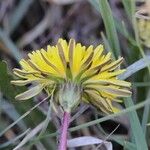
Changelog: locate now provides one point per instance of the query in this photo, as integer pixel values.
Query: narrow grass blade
(10, 110)
(85, 125)
(140, 84)
(145, 118)
(18, 14)
(122, 29)
(14, 140)
(137, 66)
(146, 114)
(10, 45)
(29, 136)
(110, 28)
(88, 140)
(136, 127)
(122, 141)
(127, 5)
(46, 121)
(23, 116)
(106, 43)
(79, 112)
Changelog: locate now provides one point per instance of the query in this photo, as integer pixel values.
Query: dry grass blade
(28, 137)
(38, 30)
(79, 112)
(108, 136)
(10, 45)
(137, 66)
(14, 140)
(85, 125)
(88, 140)
(10, 110)
(18, 14)
(23, 116)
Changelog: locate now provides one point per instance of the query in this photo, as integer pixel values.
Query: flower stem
(63, 134)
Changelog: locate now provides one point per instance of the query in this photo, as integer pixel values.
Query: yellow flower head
(143, 23)
(75, 73)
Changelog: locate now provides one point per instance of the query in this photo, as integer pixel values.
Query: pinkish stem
(64, 129)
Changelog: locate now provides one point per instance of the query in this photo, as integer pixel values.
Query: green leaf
(9, 91)
(128, 7)
(110, 28)
(6, 88)
(107, 45)
(136, 128)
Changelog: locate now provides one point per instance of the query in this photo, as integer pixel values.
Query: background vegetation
(27, 25)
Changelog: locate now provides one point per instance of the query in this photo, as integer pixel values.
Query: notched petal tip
(71, 50)
(16, 70)
(61, 54)
(12, 82)
(72, 41)
(20, 82)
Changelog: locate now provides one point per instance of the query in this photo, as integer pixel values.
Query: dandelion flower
(143, 23)
(75, 73)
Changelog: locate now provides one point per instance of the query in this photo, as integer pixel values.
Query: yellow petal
(107, 82)
(30, 93)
